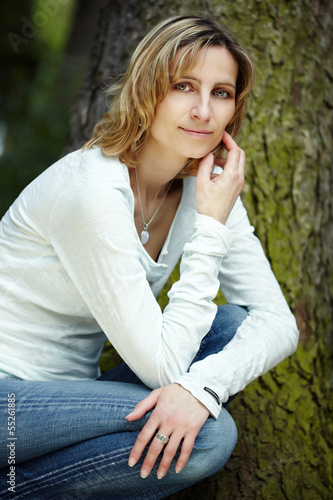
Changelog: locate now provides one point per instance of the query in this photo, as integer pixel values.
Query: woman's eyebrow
(189, 77)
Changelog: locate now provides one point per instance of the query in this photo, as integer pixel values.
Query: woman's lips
(196, 133)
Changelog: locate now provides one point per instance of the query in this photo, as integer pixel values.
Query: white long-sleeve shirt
(73, 272)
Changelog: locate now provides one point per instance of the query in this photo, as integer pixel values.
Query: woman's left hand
(178, 415)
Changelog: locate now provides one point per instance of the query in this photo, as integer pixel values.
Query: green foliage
(37, 91)
(58, 23)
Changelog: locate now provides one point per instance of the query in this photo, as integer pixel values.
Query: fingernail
(160, 475)
(178, 469)
(131, 462)
(129, 414)
(144, 474)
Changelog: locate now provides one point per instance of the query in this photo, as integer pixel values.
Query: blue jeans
(72, 441)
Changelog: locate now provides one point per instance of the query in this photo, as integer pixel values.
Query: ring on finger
(162, 438)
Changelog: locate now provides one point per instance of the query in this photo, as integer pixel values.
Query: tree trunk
(284, 418)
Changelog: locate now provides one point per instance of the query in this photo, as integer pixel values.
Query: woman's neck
(155, 171)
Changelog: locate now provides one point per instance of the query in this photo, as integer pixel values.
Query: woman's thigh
(46, 416)
(97, 468)
(66, 433)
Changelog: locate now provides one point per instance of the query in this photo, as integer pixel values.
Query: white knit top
(73, 272)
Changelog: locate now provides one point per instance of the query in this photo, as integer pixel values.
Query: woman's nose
(201, 109)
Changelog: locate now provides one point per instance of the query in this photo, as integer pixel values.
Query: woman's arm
(265, 338)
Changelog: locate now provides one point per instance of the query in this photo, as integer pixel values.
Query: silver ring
(162, 438)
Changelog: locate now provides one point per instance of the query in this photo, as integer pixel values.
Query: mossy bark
(284, 418)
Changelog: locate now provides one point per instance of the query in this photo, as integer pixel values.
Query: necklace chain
(145, 234)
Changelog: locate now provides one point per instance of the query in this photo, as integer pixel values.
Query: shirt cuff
(207, 399)
(205, 223)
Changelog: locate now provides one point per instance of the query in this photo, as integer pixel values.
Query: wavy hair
(124, 129)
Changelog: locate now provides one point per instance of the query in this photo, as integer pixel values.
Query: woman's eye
(184, 87)
(221, 93)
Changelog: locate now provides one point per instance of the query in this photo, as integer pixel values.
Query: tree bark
(284, 418)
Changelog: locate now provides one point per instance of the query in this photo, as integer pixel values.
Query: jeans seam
(67, 472)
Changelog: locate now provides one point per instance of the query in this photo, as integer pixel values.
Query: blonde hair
(124, 129)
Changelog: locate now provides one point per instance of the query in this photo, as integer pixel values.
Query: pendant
(144, 237)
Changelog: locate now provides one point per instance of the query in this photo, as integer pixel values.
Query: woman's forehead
(188, 57)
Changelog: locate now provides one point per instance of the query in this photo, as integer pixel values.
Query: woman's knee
(213, 447)
(228, 319)
(230, 316)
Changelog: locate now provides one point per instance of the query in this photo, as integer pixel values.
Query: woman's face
(191, 119)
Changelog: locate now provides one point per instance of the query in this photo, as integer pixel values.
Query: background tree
(284, 418)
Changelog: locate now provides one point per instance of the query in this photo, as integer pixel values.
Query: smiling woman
(191, 119)
(160, 414)
(165, 56)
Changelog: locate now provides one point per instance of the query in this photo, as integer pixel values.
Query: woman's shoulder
(80, 177)
(83, 171)
(90, 161)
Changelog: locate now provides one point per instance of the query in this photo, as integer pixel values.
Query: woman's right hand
(178, 414)
(215, 195)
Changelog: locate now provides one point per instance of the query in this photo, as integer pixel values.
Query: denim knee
(213, 447)
(227, 320)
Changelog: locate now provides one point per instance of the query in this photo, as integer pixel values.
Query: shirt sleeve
(264, 339)
(93, 233)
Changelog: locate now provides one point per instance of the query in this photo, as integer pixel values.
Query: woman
(88, 246)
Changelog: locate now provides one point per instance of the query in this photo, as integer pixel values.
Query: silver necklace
(144, 237)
